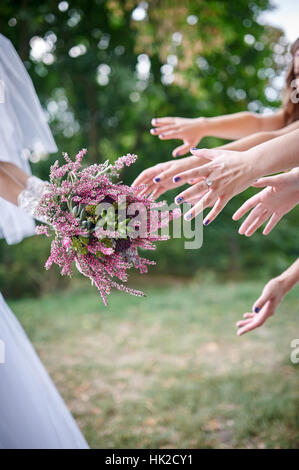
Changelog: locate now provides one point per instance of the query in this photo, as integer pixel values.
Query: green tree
(104, 68)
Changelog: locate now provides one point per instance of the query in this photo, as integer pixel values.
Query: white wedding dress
(32, 413)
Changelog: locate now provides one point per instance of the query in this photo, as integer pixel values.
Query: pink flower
(70, 206)
(42, 230)
(66, 242)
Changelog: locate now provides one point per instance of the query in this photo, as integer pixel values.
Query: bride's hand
(279, 197)
(159, 178)
(228, 173)
(190, 131)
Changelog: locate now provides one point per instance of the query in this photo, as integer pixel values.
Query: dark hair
(291, 109)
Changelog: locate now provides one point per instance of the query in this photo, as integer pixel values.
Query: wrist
(204, 124)
(286, 282)
(256, 167)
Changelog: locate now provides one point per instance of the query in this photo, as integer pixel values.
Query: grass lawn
(168, 371)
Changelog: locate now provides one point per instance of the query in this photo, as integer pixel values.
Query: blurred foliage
(104, 68)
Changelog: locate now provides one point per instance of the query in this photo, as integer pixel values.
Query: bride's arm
(21, 189)
(15, 172)
(10, 185)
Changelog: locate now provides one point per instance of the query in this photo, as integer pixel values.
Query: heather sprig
(87, 212)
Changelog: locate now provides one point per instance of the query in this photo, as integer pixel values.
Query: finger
(218, 207)
(193, 181)
(146, 191)
(243, 322)
(197, 190)
(161, 130)
(275, 218)
(166, 177)
(200, 206)
(157, 192)
(261, 301)
(163, 121)
(256, 212)
(196, 173)
(193, 200)
(145, 176)
(269, 181)
(258, 320)
(169, 135)
(249, 315)
(181, 150)
(256, 224)
(249, 204)
(208, 154)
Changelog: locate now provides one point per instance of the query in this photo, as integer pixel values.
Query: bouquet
(98, 223)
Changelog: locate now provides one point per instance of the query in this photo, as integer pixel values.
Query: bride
(32, 413)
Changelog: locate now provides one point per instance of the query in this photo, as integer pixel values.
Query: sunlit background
(167, 370)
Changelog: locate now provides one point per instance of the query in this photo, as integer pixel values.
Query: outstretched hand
(190, 131)
(266, 305)
(279, 197)
(226, 174)
(159, 178)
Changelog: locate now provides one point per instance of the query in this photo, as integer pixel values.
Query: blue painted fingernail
(176, 179)
(194, 148)
(188, 216)
(157, 179)
(179, 199)
(206, 222)
(256, 309)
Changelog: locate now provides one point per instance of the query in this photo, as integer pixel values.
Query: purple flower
(66, 242)
(99, 252)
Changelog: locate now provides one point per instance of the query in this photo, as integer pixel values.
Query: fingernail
(256, 309)
(176, 179)
(179, 199)
(161, 135)
(157, 179)
(194, 148)
(188, 216)
(153, 131)
(206, 222)
(176, 154)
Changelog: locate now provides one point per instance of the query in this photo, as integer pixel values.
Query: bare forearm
(247, 143)
(290, 277)
(255, 139)
(15, 172)
(9, 187)
(279, 154)
(238, 125)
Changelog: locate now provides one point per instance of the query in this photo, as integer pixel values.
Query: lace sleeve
(29, 198)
